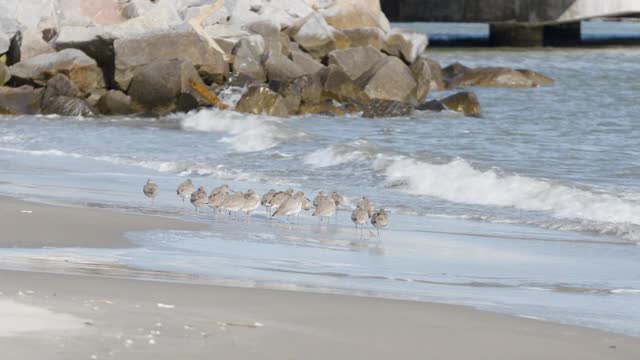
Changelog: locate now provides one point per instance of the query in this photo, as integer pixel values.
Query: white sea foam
(626, 291)
(341, 154)
(246, 133)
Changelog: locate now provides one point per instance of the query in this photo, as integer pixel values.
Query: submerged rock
(67, 106)
(536, 77)
(465, 102)
(327, 108)
(387, 108)
(82, 70)
(458, 75)
(432, 105)
(163, 87)
(21, 100)
(259, 99)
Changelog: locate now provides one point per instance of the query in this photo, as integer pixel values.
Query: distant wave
(571, 208)
(246, 133)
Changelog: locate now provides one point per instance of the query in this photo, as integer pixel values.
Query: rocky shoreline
(296, 57)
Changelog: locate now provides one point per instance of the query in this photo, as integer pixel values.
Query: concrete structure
(514, 22)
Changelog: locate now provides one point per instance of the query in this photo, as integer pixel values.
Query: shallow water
(533, 209)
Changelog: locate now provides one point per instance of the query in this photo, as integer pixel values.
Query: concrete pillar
(527, 35)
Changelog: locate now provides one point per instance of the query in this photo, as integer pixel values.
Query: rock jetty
(288, 57)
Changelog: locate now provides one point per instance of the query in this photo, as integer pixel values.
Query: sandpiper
(233, 203)
(290, 207)
(379, 219)
(218, 196)
(266, 200)
(151, 190)
(326, 208)
(251, 203)
(365, 204)
(279, 198)
(319, 197)
(185, 190)
(337, 198)
(199, 198)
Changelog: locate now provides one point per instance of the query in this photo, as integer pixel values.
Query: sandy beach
(57, 316)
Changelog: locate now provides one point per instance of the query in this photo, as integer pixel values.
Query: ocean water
(532, 209)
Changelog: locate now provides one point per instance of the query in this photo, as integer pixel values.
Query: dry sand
(108, 318)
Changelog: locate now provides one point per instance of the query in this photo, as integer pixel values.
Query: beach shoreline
(123, 318)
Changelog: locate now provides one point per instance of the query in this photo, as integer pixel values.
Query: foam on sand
(18, 318)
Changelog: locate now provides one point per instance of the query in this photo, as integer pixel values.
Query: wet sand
(135, 319)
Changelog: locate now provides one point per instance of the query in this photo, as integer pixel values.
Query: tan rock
(422, 74)
(260, 100)
(389, 79)
(349, 14)
(536, 77)
(369, 36)
(114, 102)
(407, 44)
(281, 68)
(314, 35)
(28, 44)
(306, 62)
(248, 58)
(500, 77)
(465, 102)
(21, 100)
(437, 80)
(356, 61)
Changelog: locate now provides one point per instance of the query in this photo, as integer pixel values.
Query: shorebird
(326, 208)
(365, 204)
(218, 196)
(337, 198)
(379, 219)
(233, 203)
(151, 190)
(306, 204)
(251, 203)
(185, 190)
(199, 198)
(359, 216)
(319, 197)
(279, 198)
(292, 206)
(266, 200)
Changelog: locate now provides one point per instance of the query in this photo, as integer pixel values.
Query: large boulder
(249, 56)
(26, 45)
(21, 100)
(59, 85)
(356, 61)
(366, 36)
(389, 79)
(138, 8)
(260, 99)
(133, 53)
(407, 44)
(306, 89)
(226, 36)
(437, 80)
(465, 102)
(349, 14)
(283, 12)
(306, 62)
(67, 106)
(270, 32)
(4, 73)
(162, 87)
(501, 77)
(387, 108)
(5, 42)
(314, 35)
(114, 102)
(81, 69)
(340, 87)
(281, 68)
(31, 14)
(422, 73)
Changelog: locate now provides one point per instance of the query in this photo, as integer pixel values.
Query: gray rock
(432, 105)
(59, 85)
(306, 62)
(356, 61)
(67, 106)
(19, 101)
(26, 45)
(539, 79)
(248, 57)
(281, 68)
(4, 73)
(259, 99)
(134, 53)
(422, 74)
(465, 102)
(369, 36)
(389, 79)
(437, 79)
(270, 32)
(454, 70)
(314, 35)
(340, 87)
(226, 36)
(82, 70)
(114, 102)
(306, 89)
(500, 77)
(138, 8)
(387, 108)
(163, 87)
(407, 44)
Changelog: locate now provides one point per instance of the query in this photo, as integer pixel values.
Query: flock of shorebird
(277, 203)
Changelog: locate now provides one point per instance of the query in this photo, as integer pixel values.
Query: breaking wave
(245, 133)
